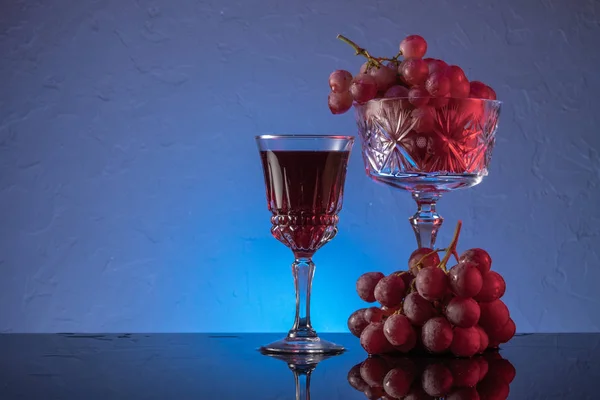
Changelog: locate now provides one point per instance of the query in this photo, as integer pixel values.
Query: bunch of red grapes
(434, 309)
(427, 83)
(484, 377)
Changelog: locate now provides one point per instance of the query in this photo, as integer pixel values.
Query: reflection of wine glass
(427, 151)
(304, 178)
(302, 366)
(487, 377)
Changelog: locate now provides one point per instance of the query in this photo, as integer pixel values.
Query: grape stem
(452, 247)
(360, 51)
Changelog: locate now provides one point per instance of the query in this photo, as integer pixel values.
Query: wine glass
(304, 178)
(427, 150)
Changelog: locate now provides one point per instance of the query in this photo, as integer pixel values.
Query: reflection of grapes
(458, 379)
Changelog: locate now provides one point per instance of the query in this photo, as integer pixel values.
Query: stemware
(304, 178)
(427, 150)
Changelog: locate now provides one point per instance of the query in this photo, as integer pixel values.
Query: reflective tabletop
(229, 366)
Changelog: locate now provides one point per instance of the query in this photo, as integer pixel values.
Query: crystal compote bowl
(427, 150)
(304, 178)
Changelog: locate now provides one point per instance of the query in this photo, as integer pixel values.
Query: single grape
(364, 68)
(465, 279)
(505, 333)
(423, 119)
(411, 341)
(413, 46)
(390, 291)
(396, 91)
(425, 256)
(479, 90)
(494, 315)
(455, 74)
(357, 322)
(492, 93)
(437, 335)
(493, 287)
(373, 314)
(417, 393)
(397, 382)
(437, 84)
(418, 97)
(463, 312)
(465, 342)
(384, 76)
(437, 380)
(460, 90)
(432, 283)
(374, 393)
(340, 80)
(477, 256)
(373, 340)
(484, 340)
(483, 367)
(417, 309)
(491, 388)
(436, 65)
(355, 380)
(503, 369)
(339, 103)
(465, 372)
(373, 370)
(414, 71)
(365, 285)
(397, 329)
(466, 393)
(363, 88)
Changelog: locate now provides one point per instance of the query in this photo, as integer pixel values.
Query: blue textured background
(131, 190)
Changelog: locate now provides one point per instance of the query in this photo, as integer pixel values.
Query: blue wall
(131, 190)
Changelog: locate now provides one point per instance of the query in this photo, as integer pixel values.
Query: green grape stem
(452, 247)
(360, 51)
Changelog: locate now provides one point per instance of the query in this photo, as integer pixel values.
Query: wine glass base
(302, 346)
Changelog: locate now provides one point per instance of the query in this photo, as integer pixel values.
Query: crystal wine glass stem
(426, 222)
(302, 380)
(303, 270)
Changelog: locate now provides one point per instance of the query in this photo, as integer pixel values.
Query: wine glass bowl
(304, 179)
(427, 150)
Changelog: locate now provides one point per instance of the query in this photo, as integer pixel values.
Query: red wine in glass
(304, 179)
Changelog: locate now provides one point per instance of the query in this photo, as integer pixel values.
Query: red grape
(373, 314)
(414, 71)
(437, 380)
(339, 103)
(483, 367)
(424, 119)
(418, 97)
(417, 393)
(355, 380)
(465, 372)
(465, 280)
(410, 343)
(364, 68)
(438, 84)
(460, 90)
(373, 370)
(437, 335)
(455, 74)
(417, 309)
(396, 91)
(397, 382)
(432, 283)
(493, 287)
(494, 316)
(384, 76)
(390, 291)
(436, 65)
(463, 312)
(492, 93)
(374, 393)
(484, 340)
(407, 277)
(465, 342)
(479, 257)
(505, 333)
(365, 285)
(373, 340)
(357, 322)
(503, 369)
(413, 46)
(363, 88)
(426, 256)
(340, 80)
(397, 329)
(479, 90)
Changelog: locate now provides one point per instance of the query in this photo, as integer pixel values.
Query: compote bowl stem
(426, 222)
(303, 270)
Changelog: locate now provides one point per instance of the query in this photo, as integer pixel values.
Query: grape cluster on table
(429, 309)
(426, 83)
(484, 377)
